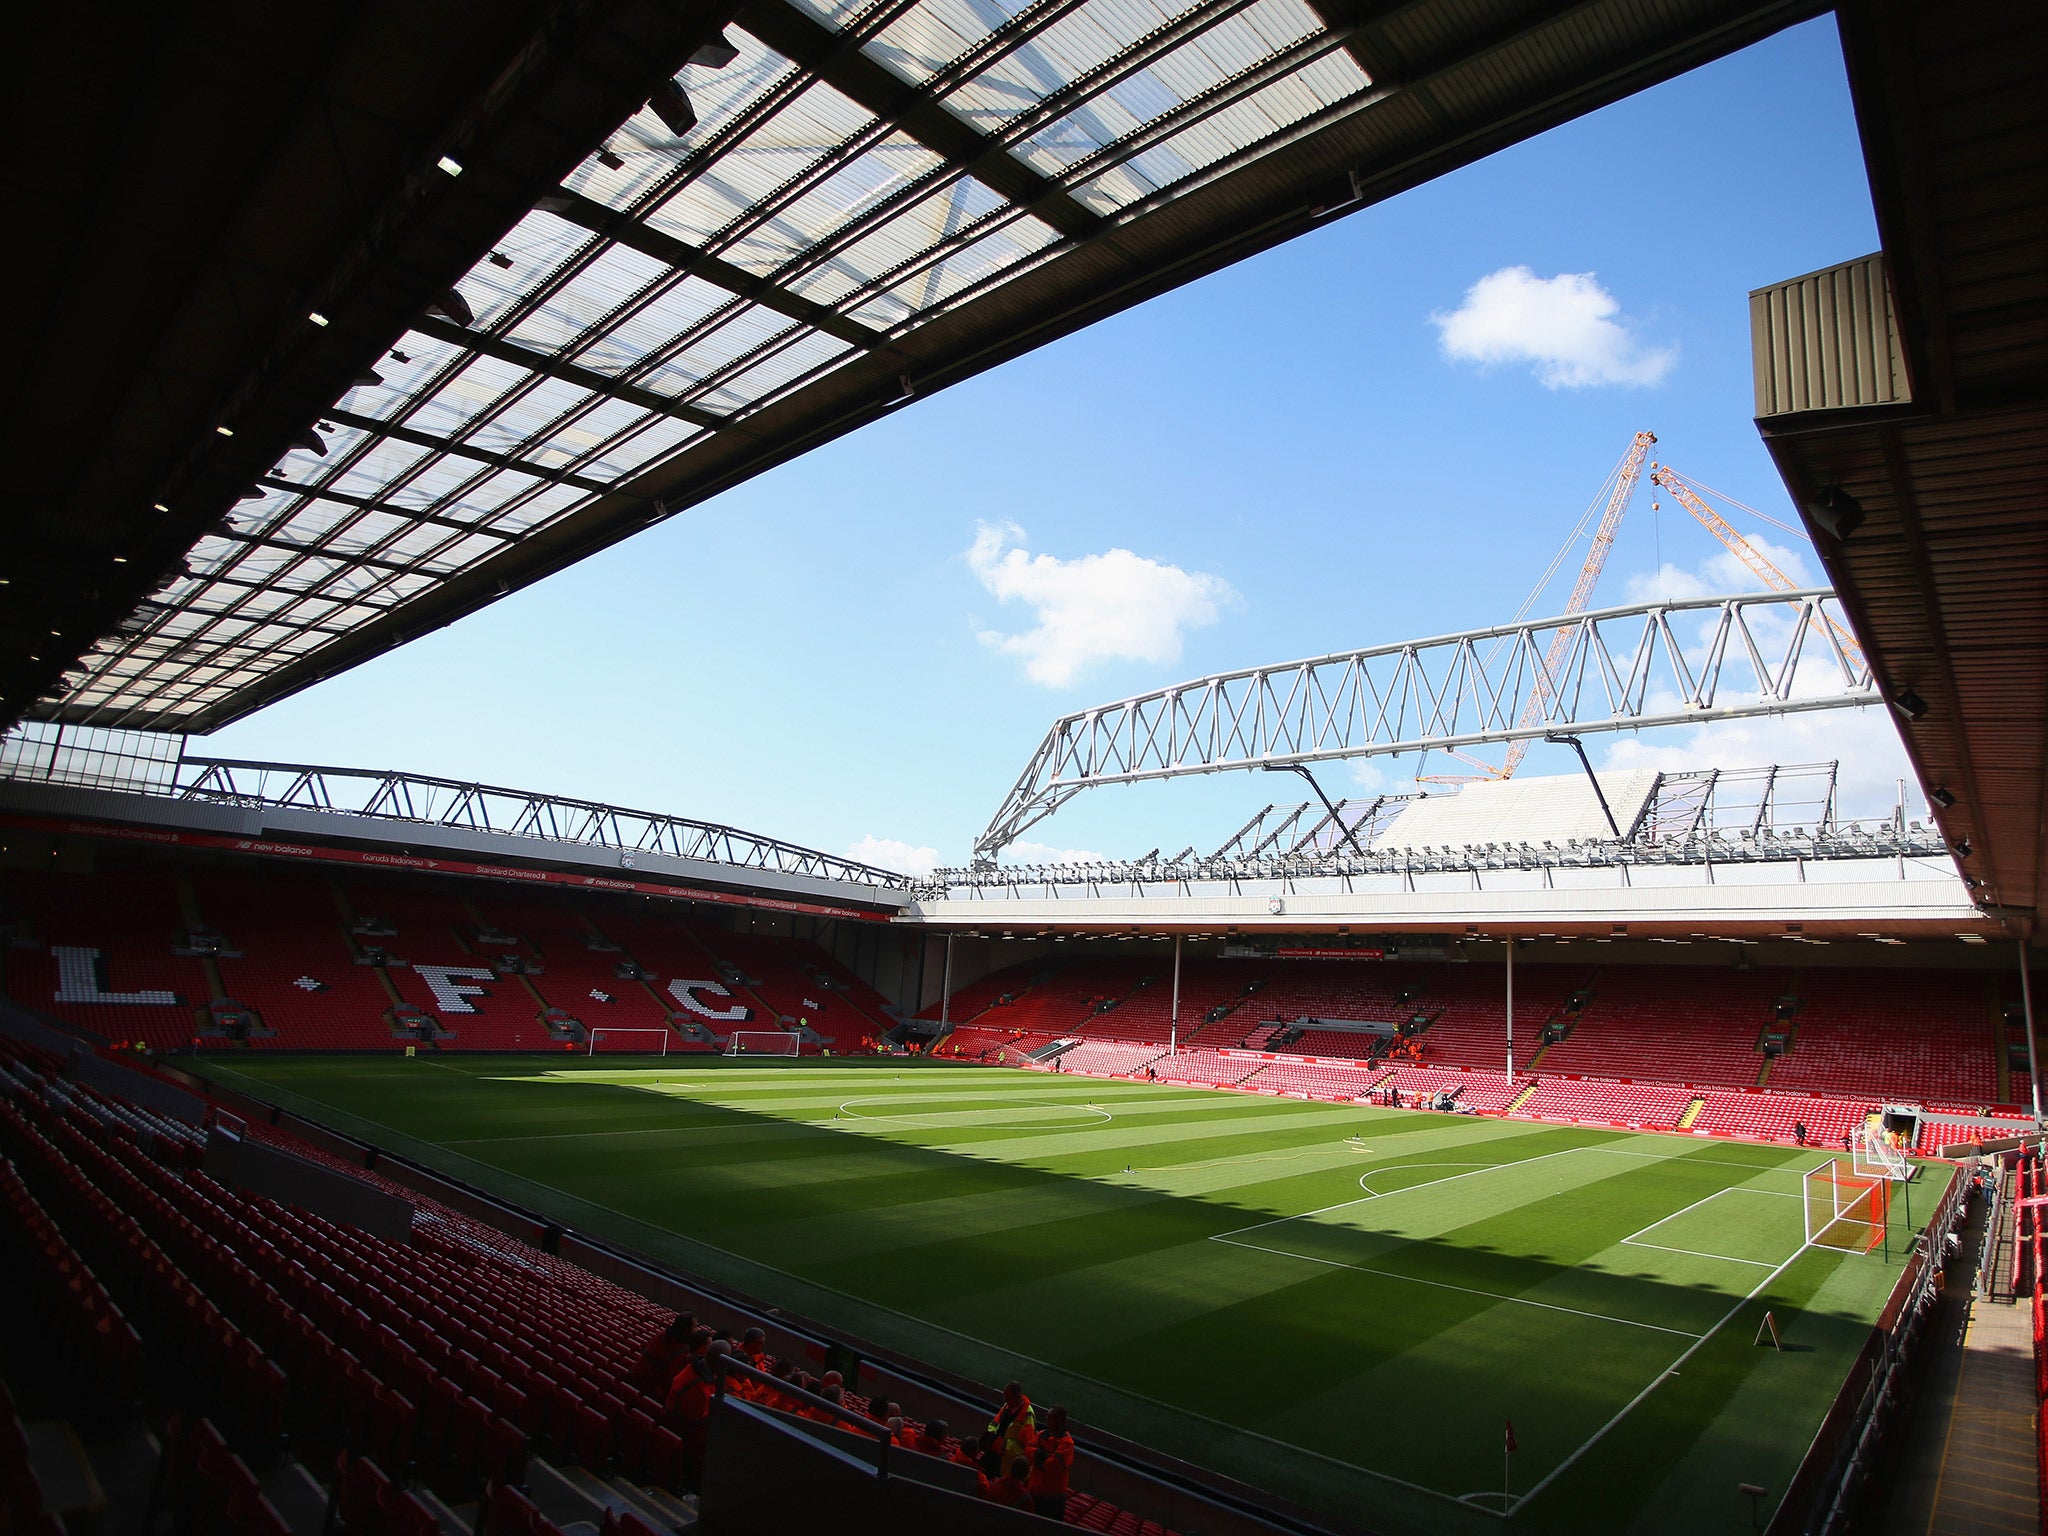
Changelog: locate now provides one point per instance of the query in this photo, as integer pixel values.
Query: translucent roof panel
(675, 285)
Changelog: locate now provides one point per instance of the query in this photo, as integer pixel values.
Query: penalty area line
(1466, 1290)
(1655, 1382)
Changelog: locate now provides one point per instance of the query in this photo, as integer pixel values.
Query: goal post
(763, 1042)
(1844, 1209)
(1877, 1155)
(590, 1046)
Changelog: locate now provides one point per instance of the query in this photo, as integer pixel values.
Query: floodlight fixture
(1941, 796)
(316, 317)
(1962, 847)
(449, 164)
(1909, 704)
(500, 260)
(159, 506)
(453, 306)
(1342, 205)
(609, 160)
(715, 54)
(1836, 513)
(225, 431)
(672, 105)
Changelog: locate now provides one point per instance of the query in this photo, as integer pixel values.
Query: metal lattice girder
(413, 797)
(1651, 664)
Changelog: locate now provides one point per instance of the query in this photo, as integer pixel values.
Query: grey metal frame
(1626, 668)
(415, 797)
(152, 763)
(1714, 816)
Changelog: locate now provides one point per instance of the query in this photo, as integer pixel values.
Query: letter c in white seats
(685, 992)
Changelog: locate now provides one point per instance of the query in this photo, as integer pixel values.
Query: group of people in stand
(1022, 1460)
(1019, 1459)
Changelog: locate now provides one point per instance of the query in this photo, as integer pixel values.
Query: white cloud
(1568, 326)
(889, 853)
(1723, 573)
(1027, 852)
(1115, 606)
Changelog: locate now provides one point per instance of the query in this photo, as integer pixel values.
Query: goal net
(1845, 1209)
(762, 1042)
(629, 1040)
(1878, 1154)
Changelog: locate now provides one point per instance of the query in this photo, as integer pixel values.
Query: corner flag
(1511, 1435)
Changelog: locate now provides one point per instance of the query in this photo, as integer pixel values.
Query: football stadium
(1511, 1108)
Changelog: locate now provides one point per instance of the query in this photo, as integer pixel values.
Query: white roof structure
(1560, 809)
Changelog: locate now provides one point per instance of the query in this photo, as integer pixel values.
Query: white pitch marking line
(1384, 1194)
(1445, 1285)
(1634, 1239)
(1323, 1210)
(1003, 1108)
(651, 1130)
(1700, 1253)
(1656, 1381)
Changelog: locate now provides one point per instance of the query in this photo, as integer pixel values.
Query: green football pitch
(1344, 1306)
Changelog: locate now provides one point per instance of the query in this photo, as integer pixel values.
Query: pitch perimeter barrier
(1824, 1492)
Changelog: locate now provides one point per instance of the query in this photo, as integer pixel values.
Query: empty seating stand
(452, 1357)
(1111, 1057)
(1639, 1025)
(1622, 1104)
(290, 951)
(575, 976)
(1761, 1116)
(117, 931)
(1205, 1066)
(1647, 1043)
(1903, 1034)
(1317, 1080)
(293, 961)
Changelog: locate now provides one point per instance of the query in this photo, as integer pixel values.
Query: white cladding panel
(1516, 811)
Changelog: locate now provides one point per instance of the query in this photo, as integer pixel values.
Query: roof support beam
(463, 450)
(552, 367)
(371, 504)
(309, 551)
(624, 230)
(796, 36)
(1631, 668)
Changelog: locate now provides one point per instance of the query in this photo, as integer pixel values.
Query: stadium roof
(365, 320)
(1945, 576)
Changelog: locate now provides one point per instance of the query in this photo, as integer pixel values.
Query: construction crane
(1667, 478)
(1624, 479)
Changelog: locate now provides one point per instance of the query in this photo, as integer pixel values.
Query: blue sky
(1290, 454)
